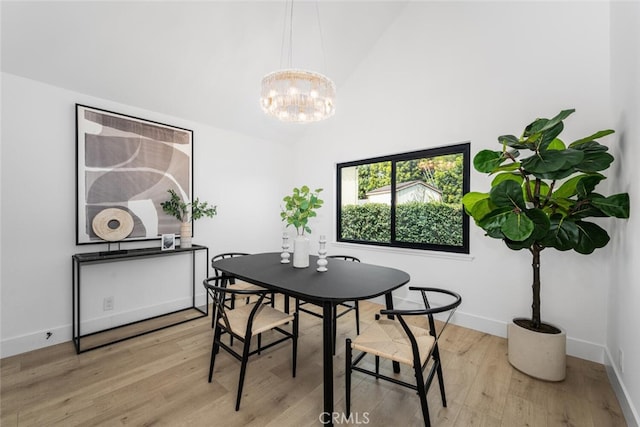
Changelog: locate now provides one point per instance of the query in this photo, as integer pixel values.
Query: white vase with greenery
(299, 207)
(186, 213)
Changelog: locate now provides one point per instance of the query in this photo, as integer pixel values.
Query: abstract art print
(126, 163)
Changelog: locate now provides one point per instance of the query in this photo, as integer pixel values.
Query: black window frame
(462, 148)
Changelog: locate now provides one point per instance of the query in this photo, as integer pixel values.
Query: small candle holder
(285, 255)
(322, 255)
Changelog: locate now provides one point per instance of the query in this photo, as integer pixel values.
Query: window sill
(404, 251)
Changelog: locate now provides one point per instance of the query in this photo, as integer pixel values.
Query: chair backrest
(344, 257)
(224, 256)
(454, 300)
(217, 289)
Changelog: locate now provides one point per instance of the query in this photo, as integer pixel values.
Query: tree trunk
(535, 306)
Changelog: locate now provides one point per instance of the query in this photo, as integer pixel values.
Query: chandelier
(295, 95)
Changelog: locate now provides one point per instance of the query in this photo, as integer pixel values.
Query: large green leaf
(557, 119)
(570, 187)
(487, 160)
(616, 205)
(562, 234)
(507, 167)
(471, 198)
(505, 176)
(590, 138)
(556, 144)
(591, 147)
(556, 175)
(481, 209)
(549, 136)
(595, 161)
(541, 125)
(534, 128)
(586, 208)
(516, 246)
(549, 161)
(590, 237)
(517, 226)
(507, 194)
(492, 223)
(511, 141)
(588, 183)
(541, 222)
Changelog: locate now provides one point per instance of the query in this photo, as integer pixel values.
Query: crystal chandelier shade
(299, 96)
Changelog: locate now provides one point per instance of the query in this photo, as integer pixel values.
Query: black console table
(81, 259)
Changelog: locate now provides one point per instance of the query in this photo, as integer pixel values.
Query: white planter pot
(540, 355)
(185, 235)
(301, 252)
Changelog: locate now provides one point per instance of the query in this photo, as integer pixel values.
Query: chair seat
(245, 286)
(387, 339)
(266, 319)
(241, 284)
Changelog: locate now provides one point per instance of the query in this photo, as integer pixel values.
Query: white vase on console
(301, 251)
(185, 235)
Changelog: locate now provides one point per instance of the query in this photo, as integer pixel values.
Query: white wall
(624, 316)
(449, 72)
(38, 216)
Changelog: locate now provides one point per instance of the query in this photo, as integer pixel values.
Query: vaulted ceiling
(202, 61)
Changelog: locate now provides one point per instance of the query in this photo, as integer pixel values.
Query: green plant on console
(299, 207)
(184, 212)
(543, 200)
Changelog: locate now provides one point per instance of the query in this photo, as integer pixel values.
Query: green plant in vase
(185, 213)
(543, 200)
(299, 207)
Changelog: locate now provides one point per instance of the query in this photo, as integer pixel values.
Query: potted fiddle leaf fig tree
(185, 213)
(538, 200)
(299, 207)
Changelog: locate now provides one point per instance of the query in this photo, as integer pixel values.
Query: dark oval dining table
(343, 281)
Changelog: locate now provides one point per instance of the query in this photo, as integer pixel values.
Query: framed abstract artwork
(125, 167)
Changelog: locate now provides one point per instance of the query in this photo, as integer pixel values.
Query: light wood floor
(161, 379)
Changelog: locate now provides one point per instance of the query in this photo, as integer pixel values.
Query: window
(408, 200)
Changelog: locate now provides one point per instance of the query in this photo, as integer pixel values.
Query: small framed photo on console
(168, 242)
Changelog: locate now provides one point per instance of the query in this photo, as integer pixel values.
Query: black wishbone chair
(245, 322)
(392, 338)
(338, 310)
(236, 283)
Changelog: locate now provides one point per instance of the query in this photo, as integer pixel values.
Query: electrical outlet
(107, 304)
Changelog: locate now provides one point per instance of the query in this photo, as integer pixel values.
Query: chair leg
(422, 393)
(334, 315)
(377, 365)
(295, 344)
(243, 369)
(233, 305)
(214, 350)
(436, 359)
(347, 373)
(357, 318)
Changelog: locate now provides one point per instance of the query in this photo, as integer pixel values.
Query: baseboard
(575, 347)
(630, 412)
(60, 334)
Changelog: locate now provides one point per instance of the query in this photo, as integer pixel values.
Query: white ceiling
(201, 61)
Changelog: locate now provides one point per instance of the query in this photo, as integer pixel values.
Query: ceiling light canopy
(295, 95)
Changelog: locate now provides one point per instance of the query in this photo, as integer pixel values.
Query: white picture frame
(168, 242)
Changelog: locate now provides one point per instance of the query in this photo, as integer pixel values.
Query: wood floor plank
(161, 379)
